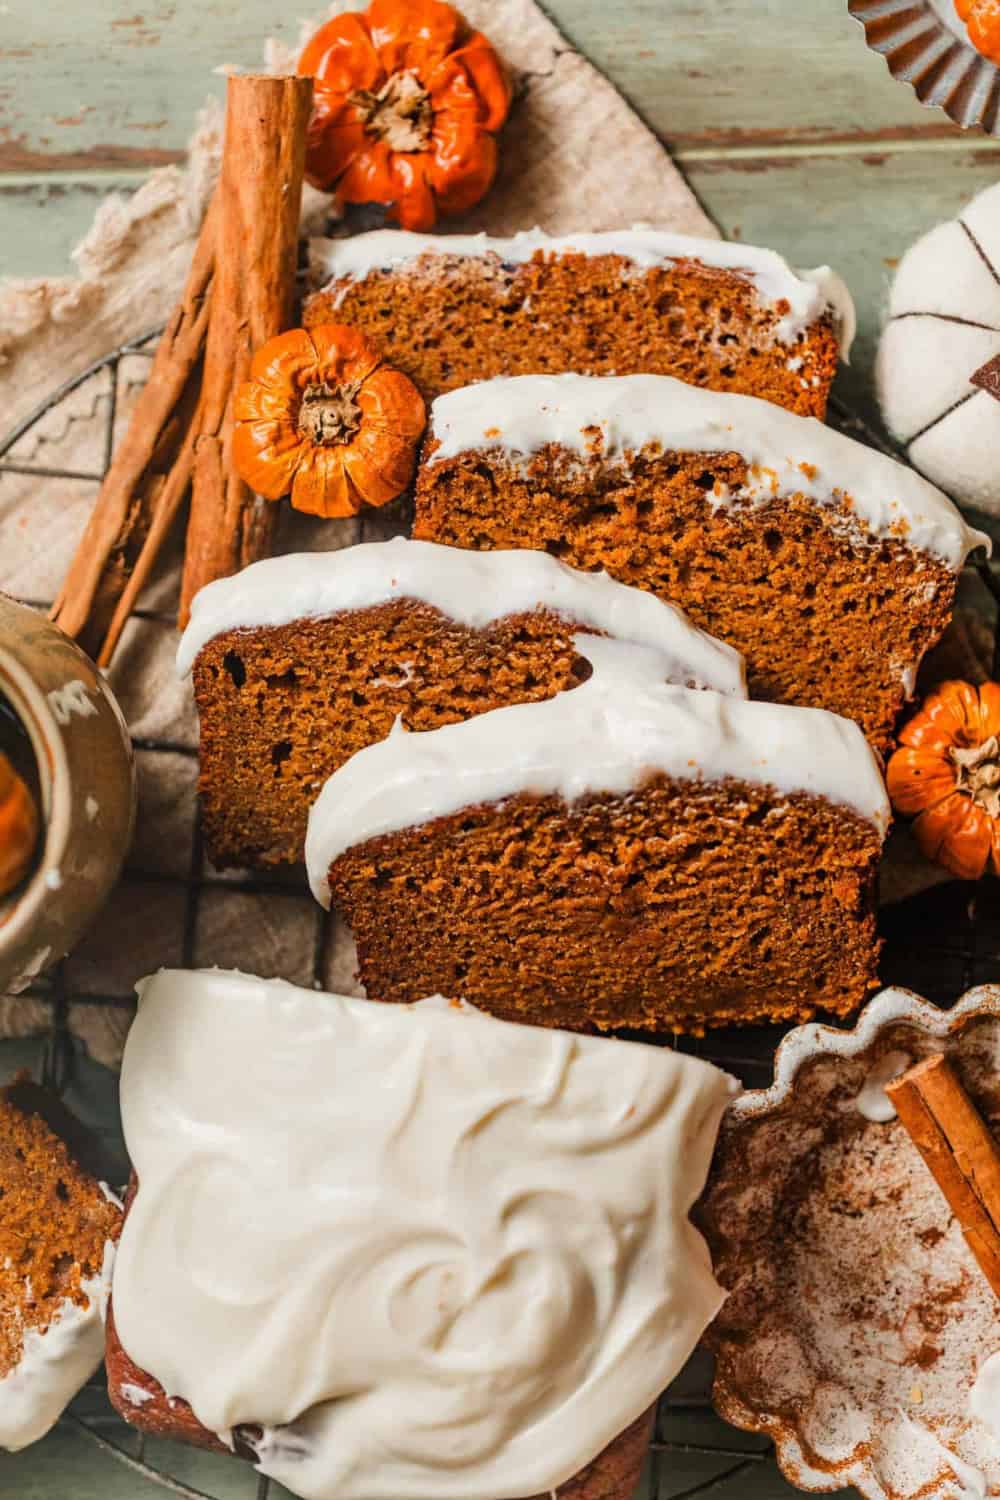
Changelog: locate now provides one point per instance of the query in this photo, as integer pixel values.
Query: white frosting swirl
(806, 295)
(436, 1255)
(984, 1397)
(872, 1101)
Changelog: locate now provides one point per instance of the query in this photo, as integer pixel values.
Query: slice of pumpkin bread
(449, 309)
(57, 1223)
(627, 855)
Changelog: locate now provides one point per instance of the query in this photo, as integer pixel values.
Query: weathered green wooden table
(791, 132)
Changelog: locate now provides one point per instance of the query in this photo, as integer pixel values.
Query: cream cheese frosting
(785, 453)
(474, 588)
(54, 1364)
(804, 296)
(435, 1255)
(607, 735)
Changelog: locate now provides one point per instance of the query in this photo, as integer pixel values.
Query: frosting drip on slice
(607, 735)
(805, 295)
(785, 453)
(474, 588)
(435, 1255)
(872, 1101)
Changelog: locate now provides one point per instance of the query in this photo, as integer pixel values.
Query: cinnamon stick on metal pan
(959, 1151)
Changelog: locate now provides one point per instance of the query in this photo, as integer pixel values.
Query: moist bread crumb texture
(54, 1223)
(680, 906)
(447, 321)
(285, 706)
(825, 614)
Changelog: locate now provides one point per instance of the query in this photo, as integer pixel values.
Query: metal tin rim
(887, 1011)
(924, 45)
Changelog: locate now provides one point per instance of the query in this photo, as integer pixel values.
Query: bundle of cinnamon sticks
(240, 292)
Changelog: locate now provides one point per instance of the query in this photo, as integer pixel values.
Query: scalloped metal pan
(924, 44)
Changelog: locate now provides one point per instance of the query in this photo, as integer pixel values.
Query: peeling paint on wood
(796, 138)
(702, 72)
(16, 156)
(820, 138)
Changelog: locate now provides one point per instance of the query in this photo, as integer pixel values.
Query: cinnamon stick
(958, 1150)
(148, 477)
(260, 192)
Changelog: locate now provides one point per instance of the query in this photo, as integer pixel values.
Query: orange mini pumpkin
(982, 23)
(18, 827)
(406, 107)
(947, 773)
(322, 418)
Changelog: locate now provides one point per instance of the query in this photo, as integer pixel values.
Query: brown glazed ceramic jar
(67, 736)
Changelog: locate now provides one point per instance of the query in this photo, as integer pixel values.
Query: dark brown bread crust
(823, 616)
(54, 1218)
(681, 906)
(450, 320)
(282, 707)
(161, 1415)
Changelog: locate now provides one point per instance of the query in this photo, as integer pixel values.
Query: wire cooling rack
(940, 942)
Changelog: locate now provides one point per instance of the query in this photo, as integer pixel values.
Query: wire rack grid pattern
(57, 992)
(693, 1452)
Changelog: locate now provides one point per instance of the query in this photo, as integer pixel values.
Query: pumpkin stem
(329, 414)
(399, 114)
(978, 773)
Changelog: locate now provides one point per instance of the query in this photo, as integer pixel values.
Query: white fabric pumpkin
(943, 327)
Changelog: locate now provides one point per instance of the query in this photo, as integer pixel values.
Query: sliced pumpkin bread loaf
(57, 1225)
(403, 1222)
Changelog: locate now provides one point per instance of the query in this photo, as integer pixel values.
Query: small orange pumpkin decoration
(18, 827)
(323, 418)
(982, 22)
(406, 108)
(947, 773)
